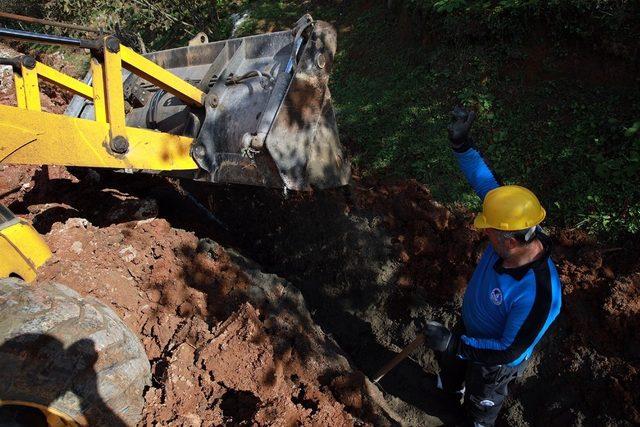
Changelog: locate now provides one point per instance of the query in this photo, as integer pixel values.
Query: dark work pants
(485, 386)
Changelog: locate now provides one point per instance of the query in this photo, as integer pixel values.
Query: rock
(76, 223)
(154, 295)
(148, 208)
(133, 210)
(77, 247)
(422, 245)
(192, 420)
(185, 309)
(607, 272)
(128, 253)
(209, 247)
(92, 177)
(404, 281)
(438, 215)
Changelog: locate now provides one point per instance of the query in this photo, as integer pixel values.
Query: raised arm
(478, 174)
(480, 177)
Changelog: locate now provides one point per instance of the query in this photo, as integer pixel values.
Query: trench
(373, 262)
(346, 265)
(340, 256)
(346, 252)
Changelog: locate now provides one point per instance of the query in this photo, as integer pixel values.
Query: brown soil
(227, 346)
(589, 366)
(373, 265)
(592, 357)
(436, 246)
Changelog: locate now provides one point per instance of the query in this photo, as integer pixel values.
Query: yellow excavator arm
(31, 136)
(254, 110)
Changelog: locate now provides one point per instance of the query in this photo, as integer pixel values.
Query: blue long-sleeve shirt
(506, 311)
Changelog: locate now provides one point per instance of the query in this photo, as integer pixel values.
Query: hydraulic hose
(9, 33)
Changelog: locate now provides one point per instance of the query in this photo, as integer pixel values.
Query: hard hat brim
(480, 222)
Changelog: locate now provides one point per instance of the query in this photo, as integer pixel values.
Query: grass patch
(550, 118)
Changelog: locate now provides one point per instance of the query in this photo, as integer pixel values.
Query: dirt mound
(436, 246)
(223, 350)
(593, 364)
(227, 343)
(370, 265)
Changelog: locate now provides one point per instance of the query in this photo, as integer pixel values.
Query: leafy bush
(160, 23)
(611, 24)
(572, 138)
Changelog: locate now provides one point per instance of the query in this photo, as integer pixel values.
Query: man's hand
(439, 338)
(459, 128)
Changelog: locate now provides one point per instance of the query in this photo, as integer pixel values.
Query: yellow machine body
(22, 249)
(255, 110)
(31, 136)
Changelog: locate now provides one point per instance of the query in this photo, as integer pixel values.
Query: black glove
(439, 338)
(459, 129)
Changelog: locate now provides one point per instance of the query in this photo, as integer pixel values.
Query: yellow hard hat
(510, 208)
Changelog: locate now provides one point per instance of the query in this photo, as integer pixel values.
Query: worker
(513, 296)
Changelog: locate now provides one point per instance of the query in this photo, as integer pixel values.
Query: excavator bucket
(268, 119)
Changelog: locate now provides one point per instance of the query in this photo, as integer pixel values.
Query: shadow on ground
(52, 371)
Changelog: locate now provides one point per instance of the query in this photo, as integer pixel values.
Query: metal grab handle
(232, 80)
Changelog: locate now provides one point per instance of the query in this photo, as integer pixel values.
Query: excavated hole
(346, 268)
(239, 407)
(344, 256)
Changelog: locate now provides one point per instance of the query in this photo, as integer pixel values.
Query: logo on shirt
(496, 296)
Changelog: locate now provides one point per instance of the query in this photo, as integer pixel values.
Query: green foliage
(584, 167)
(163, 23)
(546, 120)
(612, 25)
(574, 141)
(22, 7)
(448, 5)
(159, 23)
(265, 16)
